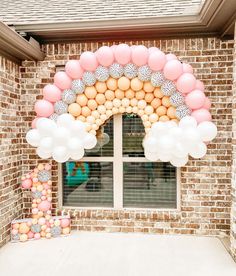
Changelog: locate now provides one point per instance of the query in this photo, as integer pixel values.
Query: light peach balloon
(82, 100)
(149, 97)
(175, 120)
(98, 122)
(90, 119)
(100, 98)
(110, 95)
(140, 95)
(85, 111)
(156, 103)
(147, 124)
(92, 104)
(142, 104)
(129, 109)
(136, 84)
(171, 112)
(112, 84)
(166, 101)
(109, 113)
(92, 131)
(129, 94)
(96, 114)
(74, 109)
(116, 103)
(108, 104)
(123, 83)
(135, 109)
(134, 102)
(88, 127)
(147, 87)
(164, 118)
(144, 117)
(153, 118)
(125, 102)
(90, 92)
(121, 109)
(140, 112)
(81, 118)
(101, 87)
(158, 93)
(101, 109)
(119, 94)
(95, 126)
(115, 110)
(149, 110)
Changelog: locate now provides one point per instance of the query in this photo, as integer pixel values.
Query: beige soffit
(215, 18)
(16, 48)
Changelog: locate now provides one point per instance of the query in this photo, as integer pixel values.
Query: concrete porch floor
(117, 254)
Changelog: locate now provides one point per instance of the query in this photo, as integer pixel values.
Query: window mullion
(118, 165)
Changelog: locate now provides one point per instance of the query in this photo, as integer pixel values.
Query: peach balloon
(140, 95)
(161, 110)
(147, 124)
(164, 118)
(81, 118)
(123, 83)
(144, 117)
(158, 93)
(166, 101)
(90, 92)
(74, 109)
(108, 104)
(92, 104)
(128, 109)
(112, 84)
(66, 231)
(129, 94)
(100, 98)
(85, 111)
(115, 110)
(110, 95)
(121, 109)
(149, 97)
(101, 87)
(147, 87)
(62, 80)
(156, 103)
(82, 100)
(136, 84)
(171, 112)
(23, 228)
(51, 93)
(23, 237)
(119, 94)
(140, 112)
(73, 69)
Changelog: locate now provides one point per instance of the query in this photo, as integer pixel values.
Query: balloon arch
(124, 79)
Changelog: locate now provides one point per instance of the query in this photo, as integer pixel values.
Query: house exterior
(36, 40)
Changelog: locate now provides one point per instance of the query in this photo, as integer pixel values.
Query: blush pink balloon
(30, 235)
(33, 124)
(201, 115)
(133, 47)
(37, 236)
(152, 50)
(195, 99)
(51, 93)
(140, 55)
(44, 205)
(73, 69)
(170, 57)
(123, 54)
(41, 221)
(113, 48)
(199, 85)
(27, 183)
(14, 231)
(88, 61)
(207, 104)
(105, 56)
(62, 80)
(157, 60)
(187, 68)
(65, 222)
(43, 108)
(173, 69)
(186, 83)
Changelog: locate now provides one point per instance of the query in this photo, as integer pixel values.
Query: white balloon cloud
(66, 139)
(171, 142)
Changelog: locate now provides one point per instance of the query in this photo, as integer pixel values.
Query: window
(116, 173)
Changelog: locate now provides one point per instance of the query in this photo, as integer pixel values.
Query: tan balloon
(98, 122)
(156, 103)
(161, 110)
(95, 126)
(101, 87)
(136, 84)
(147, 124)
(100, 98)
(82, 100)
(103, 117)
(74, 109)
(158, 93)
(92, 131)
(111, 84)
(123, 83)
(129, 94)
(85, 111)
(149, 97)
(166, 101)
(147, 87)
(164, 118)
(171, 112)
(92, 104)
(110, 95)
(119, 94)
(90, 92)
(140, 95)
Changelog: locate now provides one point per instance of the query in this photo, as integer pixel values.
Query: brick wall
(11, 202)
(205, 184)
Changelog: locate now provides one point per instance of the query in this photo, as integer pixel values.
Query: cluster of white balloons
(64, 139)
(172, 142)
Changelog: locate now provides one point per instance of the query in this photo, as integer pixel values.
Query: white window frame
(117, 159)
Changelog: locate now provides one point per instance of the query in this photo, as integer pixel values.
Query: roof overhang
(216, 17)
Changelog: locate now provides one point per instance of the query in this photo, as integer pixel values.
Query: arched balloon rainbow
(134, 79)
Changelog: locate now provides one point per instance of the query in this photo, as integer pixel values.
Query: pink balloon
(51, 93)
(207, 104)
(105, 56)
(14, 231)
(44, 205)
(41, 221)
(140, 55)
(187, 68)
(65, 222)
(30, 235)
(173, 69)
(186, 83)
(43, 108)
(170, 57)
(133, 47)
(199, 85)
(152, 50)
(88, 61)
(62, 80)
(33, 123)
(201, 115)
(27, 183)
(37, 236)
(157, 60)
(113, 48)
(73, 69)
(195, 99)
(123, 54)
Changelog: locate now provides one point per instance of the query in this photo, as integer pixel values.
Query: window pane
(105, 141)
(149, 185)
(88, 184)
(133, 134)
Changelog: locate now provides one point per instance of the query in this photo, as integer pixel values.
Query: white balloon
(78, 129)
(77, 155)
(191, 135)
(60, 154)
(176, 133)
(45, 126)
(61, 136)
(151, 156)
(74, 144)
(43, 154)
(89, 141)
(65, 120)
(187, 122)
(33, 137)
(180, 150)
(151, 144)
(199, 151)
(179, 162)
(158, 128)
(165, 157)
(46, 144)
(207, 131)
(165, 143)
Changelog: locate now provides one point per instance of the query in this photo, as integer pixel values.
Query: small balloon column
(42, 224)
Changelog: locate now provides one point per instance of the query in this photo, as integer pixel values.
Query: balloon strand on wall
(124, 79)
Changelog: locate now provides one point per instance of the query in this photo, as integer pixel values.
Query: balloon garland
(134, 79)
